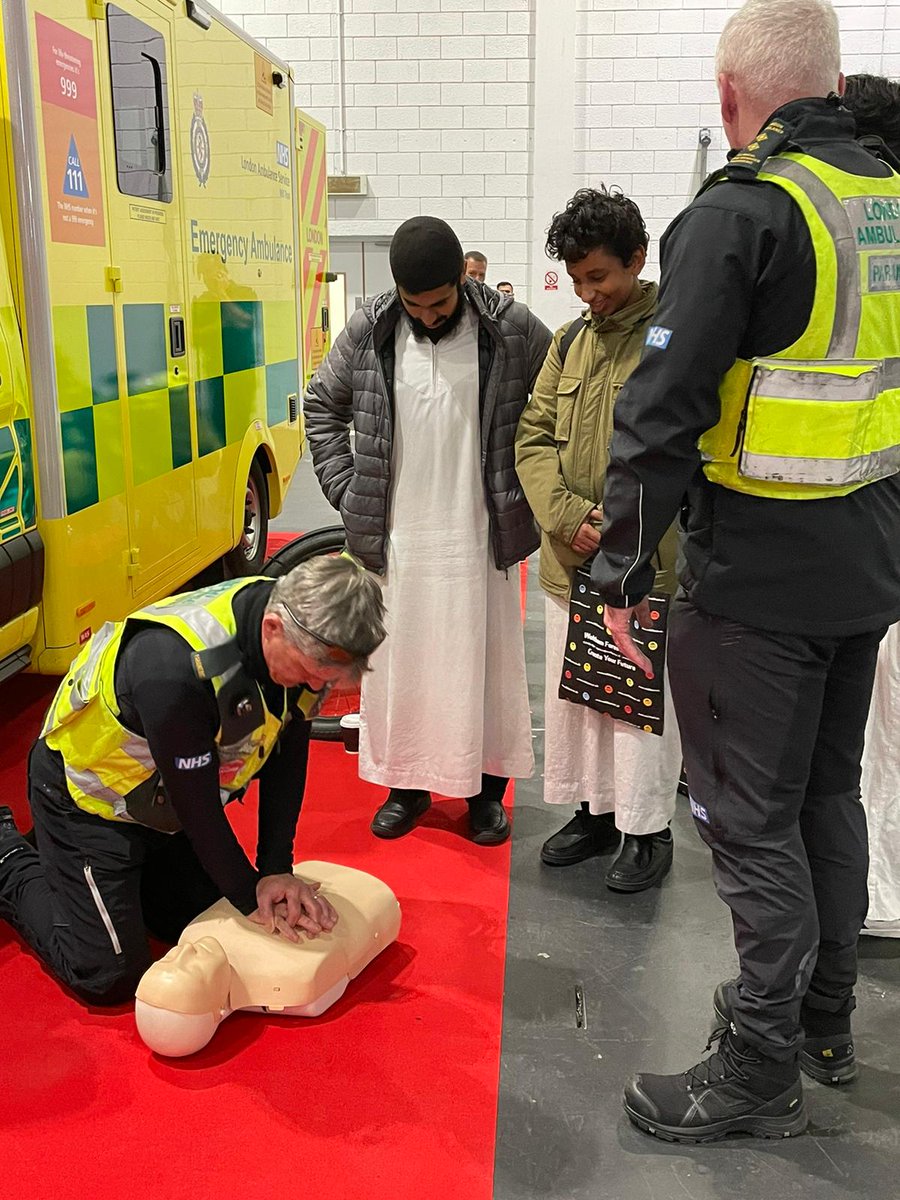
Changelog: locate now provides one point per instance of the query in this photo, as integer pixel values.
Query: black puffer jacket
(355, 386)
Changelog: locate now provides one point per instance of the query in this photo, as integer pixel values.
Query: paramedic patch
(884, 273)
(658, 336)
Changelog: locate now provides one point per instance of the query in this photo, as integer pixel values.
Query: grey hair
(782, 50)
(339, 601)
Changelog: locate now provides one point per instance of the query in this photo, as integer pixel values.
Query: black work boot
(644, 860)
(736, 1090)
(400, 812)
(585, 835)
(827, 1056)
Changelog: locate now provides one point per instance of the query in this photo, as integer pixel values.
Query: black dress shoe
(400, 812)
(488, 823)
(645, 859)
(584, 836)
(830, 1058)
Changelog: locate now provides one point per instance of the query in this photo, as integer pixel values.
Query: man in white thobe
(433, 377)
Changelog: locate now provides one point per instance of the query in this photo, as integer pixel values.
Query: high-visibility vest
(822, 417)
(109, 769)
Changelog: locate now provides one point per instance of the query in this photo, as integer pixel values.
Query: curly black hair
(593, 218)
(875, 103)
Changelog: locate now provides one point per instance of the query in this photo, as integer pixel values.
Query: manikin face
(193, 978)
(476, 269)
(433, 308)
(603, 282)
(289, 666)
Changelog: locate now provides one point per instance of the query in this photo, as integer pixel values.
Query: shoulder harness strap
(238, 699)
(577, 326)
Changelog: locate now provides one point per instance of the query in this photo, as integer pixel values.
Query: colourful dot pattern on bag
(596, 673)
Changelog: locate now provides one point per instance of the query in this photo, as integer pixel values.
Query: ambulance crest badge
(200, 149)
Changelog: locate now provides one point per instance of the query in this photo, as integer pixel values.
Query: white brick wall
(440, 105)
(438, 101)
(647, 87)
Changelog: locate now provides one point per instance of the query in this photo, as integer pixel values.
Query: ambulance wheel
(249, 554)
(327, 726)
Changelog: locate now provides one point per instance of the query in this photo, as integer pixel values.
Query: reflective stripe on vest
(104, 762)
(822, 417)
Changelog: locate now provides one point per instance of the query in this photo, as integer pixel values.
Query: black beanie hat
(425, 254)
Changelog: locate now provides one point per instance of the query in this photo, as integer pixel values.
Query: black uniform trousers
(772, 730)
(85, 898)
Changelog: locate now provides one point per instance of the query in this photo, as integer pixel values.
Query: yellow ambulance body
(313, 237)
(149, 310)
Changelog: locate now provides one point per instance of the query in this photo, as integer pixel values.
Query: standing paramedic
(161, 720)
(768, 396)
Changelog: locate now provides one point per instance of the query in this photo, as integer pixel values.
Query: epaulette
(746, 164)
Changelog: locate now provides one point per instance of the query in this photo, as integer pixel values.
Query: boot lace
(722, 1065)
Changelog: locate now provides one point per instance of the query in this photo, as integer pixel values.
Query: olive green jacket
(562, 445)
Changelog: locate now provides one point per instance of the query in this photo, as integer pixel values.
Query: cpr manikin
(224, 962)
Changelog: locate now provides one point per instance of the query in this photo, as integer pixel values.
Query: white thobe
(447, 697)
(881, 788)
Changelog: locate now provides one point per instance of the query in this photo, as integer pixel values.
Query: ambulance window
(137, 57)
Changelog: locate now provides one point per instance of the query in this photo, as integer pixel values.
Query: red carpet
(392, 1093)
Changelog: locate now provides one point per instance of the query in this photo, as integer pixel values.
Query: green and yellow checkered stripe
(246, 362)
(246, 366)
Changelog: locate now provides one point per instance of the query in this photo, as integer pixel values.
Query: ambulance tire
(330, 540)
(249, 554)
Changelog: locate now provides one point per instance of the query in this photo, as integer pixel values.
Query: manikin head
(183, 997)
(602, 239)
(427, 266)
(321, 623)
(772, 52)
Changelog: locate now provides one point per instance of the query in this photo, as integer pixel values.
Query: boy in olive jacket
(623, 780)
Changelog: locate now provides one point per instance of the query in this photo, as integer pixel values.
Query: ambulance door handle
(176, 336)
(324, 319)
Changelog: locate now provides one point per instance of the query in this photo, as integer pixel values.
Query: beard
(447, 325)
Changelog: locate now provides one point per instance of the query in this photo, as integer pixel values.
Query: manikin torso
(224, 962)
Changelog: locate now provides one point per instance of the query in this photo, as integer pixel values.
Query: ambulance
(163, 214)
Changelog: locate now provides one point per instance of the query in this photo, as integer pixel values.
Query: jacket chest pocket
(566, 399)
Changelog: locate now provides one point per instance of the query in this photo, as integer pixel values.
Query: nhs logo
(282, 154)
(658, 336)
(193, 764)
(699, 811)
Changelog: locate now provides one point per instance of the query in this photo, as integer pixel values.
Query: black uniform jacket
(738, 281)
(161, 698)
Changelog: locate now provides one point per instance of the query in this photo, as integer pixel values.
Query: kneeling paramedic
(162, 719)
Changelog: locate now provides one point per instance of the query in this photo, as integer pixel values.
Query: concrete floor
(644, 968)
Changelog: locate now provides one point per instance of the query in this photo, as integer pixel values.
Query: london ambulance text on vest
(882, 222)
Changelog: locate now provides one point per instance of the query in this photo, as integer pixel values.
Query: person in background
(623, 780)
(875, 104)
(792, 551)
(476, 265)
(433, 377)
(505, 288)
(163, 719)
